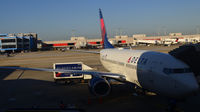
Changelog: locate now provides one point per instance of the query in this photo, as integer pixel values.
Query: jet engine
(99, 86)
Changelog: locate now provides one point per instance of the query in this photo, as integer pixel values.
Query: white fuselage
(148, 41)
(157, 72)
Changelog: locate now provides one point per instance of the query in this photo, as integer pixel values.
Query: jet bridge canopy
(190, 54)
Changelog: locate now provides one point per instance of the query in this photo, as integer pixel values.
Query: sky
(61, 19)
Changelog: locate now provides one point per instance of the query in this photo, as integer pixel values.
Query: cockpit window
(176, 70)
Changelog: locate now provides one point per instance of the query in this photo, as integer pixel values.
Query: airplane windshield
(176, 70)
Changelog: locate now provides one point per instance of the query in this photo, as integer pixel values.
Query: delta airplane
(171, 41)
(149, 41)
(157, 72)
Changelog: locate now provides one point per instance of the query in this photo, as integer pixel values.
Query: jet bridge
(190, 54)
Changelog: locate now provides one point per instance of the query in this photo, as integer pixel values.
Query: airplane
(170, 41)
(149, 41)
(157, 72)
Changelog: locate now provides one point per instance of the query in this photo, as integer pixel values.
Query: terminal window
(7, 40)
(8, 46)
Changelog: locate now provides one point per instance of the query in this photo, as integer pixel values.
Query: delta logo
(132, 59)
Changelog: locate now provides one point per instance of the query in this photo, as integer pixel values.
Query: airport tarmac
(27, 89)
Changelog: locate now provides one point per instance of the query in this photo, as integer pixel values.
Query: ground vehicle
(71, 77)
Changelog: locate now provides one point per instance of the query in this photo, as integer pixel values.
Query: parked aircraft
(149, 41)
(170, 41)
(153, 71)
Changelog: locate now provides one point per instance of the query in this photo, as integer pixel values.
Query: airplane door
(130, 72)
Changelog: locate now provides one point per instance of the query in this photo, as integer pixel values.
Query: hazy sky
(60, 19)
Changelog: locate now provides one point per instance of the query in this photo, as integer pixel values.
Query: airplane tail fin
(106, 43)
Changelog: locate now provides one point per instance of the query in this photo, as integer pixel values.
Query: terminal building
(123, 40)
(30, 42)
(18, 42)
(82, 42)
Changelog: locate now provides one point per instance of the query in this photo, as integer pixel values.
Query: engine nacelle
(99, 86)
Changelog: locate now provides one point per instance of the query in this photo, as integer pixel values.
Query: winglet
(106, 43)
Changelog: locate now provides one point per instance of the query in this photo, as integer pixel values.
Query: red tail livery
(106, 43)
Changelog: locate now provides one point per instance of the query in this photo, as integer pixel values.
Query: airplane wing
(93, 73)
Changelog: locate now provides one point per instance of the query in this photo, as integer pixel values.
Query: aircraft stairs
(190, 54)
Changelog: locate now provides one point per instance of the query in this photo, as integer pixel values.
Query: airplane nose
(188, 84)
(193, 87)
